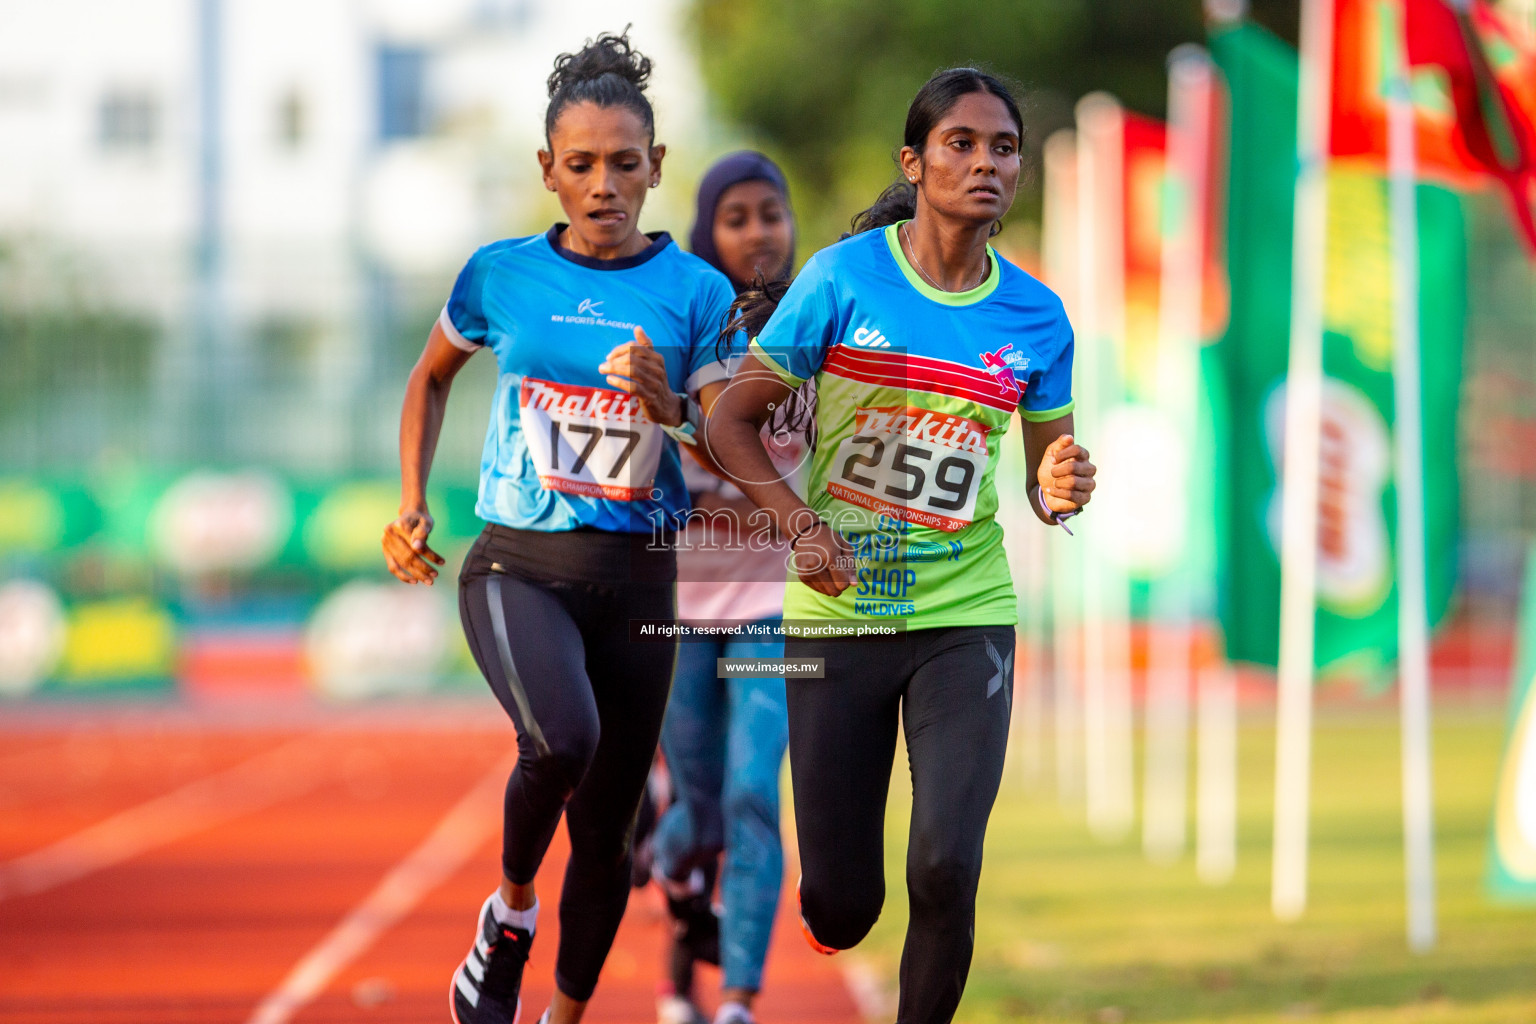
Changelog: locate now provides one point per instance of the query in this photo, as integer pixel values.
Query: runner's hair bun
(608, 72)
(608, 54)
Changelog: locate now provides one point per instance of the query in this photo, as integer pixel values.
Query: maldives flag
(1155, 207)
(1473, 80)
(1144, 183)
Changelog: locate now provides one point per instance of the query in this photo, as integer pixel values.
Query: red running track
(162, 866)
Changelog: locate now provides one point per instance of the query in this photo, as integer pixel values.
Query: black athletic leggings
(953, 691)
(587, 704)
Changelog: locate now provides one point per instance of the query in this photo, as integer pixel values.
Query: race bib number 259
(914, 464)
(589, 441)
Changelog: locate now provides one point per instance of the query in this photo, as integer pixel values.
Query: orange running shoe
(805, 929)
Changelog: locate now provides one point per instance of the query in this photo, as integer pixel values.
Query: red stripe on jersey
(870, 359)
(919, 373)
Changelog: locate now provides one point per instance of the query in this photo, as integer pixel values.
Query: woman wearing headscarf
(724, 738)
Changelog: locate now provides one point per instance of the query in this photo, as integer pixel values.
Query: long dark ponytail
(754, 306)
(747, 317)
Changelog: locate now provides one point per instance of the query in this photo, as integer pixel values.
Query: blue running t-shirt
(563, 448)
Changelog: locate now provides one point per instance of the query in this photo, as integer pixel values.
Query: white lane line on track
(457, 836)
(275, 775)
(869, 988)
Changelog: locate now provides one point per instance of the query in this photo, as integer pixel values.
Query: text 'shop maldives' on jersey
(564, 448)
(915, 389)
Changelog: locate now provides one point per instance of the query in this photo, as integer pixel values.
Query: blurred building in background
(265, 200)
(226, 227)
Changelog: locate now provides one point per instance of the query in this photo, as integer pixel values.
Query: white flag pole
(1028, 555)
(1106, 593)
(1303, 411)
(1031, 684)
(1032, 699)
(1170, 664)
(1087, 388)
(1216, 773)
(1223, 12)
(1061, 231)
(1412, 612)
(1067, 674)
(1216, 703)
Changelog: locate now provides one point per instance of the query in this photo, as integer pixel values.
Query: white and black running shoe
(486, 985)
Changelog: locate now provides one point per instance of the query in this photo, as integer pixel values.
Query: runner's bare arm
(735, 437)
(709, 394)
(1062, 470)
(406, 551)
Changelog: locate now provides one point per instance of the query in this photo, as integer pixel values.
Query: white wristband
(685, 432)
(1056, 518)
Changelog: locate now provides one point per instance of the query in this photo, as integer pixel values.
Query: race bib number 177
(589, 441)
(914, 464)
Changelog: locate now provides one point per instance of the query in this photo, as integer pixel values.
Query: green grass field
(1072, 929)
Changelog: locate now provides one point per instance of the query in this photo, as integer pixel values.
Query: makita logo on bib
(914, 424)
(870, 337)
(580, 402)
(589, 308)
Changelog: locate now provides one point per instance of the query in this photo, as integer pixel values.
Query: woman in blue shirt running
(604, 339)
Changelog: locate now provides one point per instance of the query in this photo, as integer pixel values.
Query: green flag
(1357, 612)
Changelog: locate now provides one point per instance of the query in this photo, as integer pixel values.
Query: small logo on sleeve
(1004, 365)
(870, 337)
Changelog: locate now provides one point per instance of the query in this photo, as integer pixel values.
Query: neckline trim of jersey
(967, 298)
(659, 241)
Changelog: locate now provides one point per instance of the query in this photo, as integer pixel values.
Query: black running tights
(588, 705)
(952, 690)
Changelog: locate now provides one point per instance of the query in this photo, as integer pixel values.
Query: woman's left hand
(637, 368)
(1066, 477)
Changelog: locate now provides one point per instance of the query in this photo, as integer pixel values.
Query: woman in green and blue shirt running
(922, 343)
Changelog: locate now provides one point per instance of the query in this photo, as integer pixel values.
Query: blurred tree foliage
(824, 84)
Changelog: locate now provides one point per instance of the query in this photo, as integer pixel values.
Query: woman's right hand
(405, 547)
(823, 560)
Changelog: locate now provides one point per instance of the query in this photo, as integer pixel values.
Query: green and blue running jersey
(915, 388)
(563, 448)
